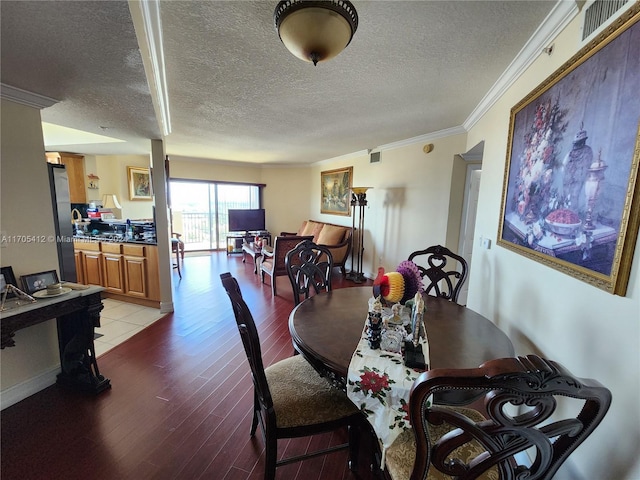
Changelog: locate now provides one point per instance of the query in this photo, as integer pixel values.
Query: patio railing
(198, 234)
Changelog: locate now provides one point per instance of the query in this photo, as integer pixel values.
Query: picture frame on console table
(570, 197)
(335, 191)
(38, 281)
(139, 179)
(7, 277)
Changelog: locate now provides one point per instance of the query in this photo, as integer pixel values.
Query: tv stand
(236, 239)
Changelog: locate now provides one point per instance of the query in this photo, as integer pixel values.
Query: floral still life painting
(570, 199)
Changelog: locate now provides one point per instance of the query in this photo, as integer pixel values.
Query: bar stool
(177, 247)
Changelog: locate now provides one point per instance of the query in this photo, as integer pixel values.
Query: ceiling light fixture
(315, 31)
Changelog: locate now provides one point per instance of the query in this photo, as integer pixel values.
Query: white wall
(593, 333)
(407, 207)
(26, 212)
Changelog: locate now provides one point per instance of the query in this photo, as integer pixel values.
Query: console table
(236, 240)
(77, 313)
(254, 252)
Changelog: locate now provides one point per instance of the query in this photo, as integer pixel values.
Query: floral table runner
(379, 383)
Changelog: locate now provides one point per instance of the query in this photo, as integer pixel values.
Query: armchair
(273, 263)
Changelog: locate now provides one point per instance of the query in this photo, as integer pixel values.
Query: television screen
(246, 220)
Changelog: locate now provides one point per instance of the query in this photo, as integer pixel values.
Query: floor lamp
(358, 202)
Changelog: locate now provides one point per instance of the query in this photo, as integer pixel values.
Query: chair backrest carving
(281, 245)
(520, 396)
(309, 267)
(250, 339)
(442, 276)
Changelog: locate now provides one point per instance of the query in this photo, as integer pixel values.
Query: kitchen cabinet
(75, 172)
(113, 267)
(135, 270)
(79, 272)
(129, 272)
(91, 263)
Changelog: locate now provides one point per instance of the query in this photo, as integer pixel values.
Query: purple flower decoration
(412, 279)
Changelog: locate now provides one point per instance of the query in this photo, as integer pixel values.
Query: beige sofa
(335, 237)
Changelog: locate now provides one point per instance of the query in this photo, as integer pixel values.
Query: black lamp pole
(359, 200)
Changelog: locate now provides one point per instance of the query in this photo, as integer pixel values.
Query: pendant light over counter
(315, 31)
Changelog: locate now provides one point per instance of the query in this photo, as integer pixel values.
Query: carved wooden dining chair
(309, 268)
(290, 398)
(442, 275)
(515, 436)
(272, 263)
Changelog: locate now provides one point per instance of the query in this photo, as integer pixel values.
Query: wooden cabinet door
(79, 269)
(114, 280)
(135, 269)
(153, 275)
(75, 171)
(92, 268)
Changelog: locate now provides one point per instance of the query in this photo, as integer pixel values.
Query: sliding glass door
(200, 210)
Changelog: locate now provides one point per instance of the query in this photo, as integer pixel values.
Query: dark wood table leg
(77, 350)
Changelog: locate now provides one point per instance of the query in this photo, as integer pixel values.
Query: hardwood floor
(181, 398)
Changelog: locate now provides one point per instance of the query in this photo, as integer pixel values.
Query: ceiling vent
(598, 13)
(374, 157)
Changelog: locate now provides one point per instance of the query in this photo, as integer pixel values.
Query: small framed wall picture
(7, 278)
(38, 281)
(139, 179)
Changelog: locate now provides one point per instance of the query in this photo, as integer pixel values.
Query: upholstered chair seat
(401, 455)
(302, 397)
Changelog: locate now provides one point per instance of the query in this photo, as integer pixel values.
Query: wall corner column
(160, 183)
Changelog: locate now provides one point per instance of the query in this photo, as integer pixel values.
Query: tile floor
(120, 321)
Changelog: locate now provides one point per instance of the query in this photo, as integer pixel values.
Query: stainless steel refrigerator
(61, 200)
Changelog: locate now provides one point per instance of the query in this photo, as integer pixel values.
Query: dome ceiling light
(315, 31)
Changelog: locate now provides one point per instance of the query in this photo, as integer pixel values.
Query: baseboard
(19, 392)
(166, 307)
(145, 302)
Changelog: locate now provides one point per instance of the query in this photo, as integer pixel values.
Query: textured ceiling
(236, 94)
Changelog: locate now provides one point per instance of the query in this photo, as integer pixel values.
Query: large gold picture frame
(335, 189)
(570, 197)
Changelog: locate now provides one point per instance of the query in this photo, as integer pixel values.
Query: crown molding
(24, 97)
(146, 13)
(347, 156)
(401, 143)
(447, 132)
(559, 17)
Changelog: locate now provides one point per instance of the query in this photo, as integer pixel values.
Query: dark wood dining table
(326, 329)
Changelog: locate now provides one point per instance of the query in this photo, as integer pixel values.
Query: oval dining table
(326, 329)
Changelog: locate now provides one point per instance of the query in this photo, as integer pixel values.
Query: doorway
(469, 210)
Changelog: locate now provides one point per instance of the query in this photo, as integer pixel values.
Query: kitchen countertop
(112, 239)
